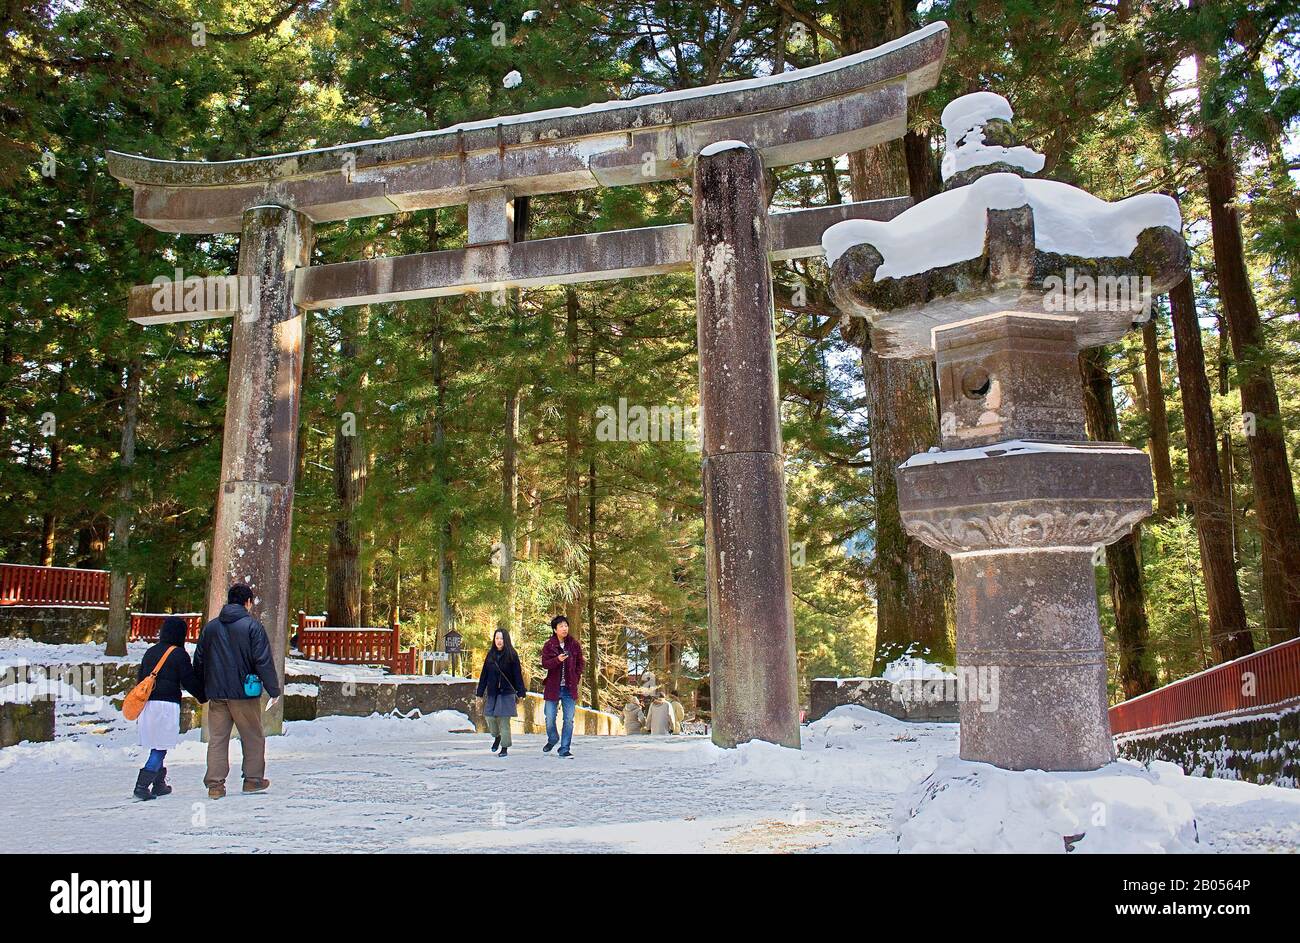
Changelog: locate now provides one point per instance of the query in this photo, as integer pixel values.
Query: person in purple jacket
(562, 659)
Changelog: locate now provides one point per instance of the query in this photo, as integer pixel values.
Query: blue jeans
(552, 707)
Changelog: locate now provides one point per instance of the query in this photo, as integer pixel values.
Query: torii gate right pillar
(747, 544)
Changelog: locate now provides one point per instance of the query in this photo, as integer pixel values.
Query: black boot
(142, 781)
(505, 751)
(160, 787)
(496, 742)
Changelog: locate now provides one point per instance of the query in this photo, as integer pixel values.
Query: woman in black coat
(501, 685)
(159, 724)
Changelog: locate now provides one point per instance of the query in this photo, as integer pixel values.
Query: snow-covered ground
(16, 651)
(386, 784)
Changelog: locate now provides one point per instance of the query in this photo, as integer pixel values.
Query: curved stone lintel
(822, 111)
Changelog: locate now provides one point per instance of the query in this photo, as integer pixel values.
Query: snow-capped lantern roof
(971, 142)
(998, 239)
(972, 111)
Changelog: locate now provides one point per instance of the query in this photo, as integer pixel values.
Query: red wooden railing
(1251, 684)
(349, 646)
(145, 626)
(405, 662)
(52, 586)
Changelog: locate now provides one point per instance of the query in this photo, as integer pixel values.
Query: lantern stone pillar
(751, 616)
(254, 521)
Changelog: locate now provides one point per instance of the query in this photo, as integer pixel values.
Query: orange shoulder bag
(140, 694)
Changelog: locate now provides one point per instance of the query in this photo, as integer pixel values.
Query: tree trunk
(368, 591)
(509, 506)
(395, 589)
(913, 582)
(1132, 634)
(572, 446)
(1227, 472)
(49, 520)
(446, 611)
(923, 177)
(343, 572)
(1158, 420)
(118, 614)
(593, 636)
(1229, 635)
(1269, 469)
(831, 181)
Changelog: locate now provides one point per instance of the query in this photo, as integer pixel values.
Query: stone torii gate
(725, 135)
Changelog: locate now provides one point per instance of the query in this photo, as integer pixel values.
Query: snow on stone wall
(1261, 748)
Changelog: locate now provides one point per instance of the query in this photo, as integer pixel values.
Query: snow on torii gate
(824, 111)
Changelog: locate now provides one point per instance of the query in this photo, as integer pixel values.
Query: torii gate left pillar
(254, 524)
(754, 679)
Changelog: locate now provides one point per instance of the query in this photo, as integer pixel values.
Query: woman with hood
(501, 686)
(159, 724)
(661, 718)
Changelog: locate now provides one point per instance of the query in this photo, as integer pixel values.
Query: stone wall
(877, 694)
(1261, 748)
(54, 625)
(587, 722)
(33, 722)
(92, 678)
(308, 697)
(300, 701)
(362, 698)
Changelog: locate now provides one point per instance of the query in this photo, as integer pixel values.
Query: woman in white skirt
(159, 724)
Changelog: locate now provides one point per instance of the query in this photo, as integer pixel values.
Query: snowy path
(382, 784)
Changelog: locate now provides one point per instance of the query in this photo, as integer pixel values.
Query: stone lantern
(1002, 279)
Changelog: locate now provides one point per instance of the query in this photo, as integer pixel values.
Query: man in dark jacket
(233, 647)
(562, 659)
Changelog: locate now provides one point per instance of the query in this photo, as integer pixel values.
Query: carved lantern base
(1022, 520)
